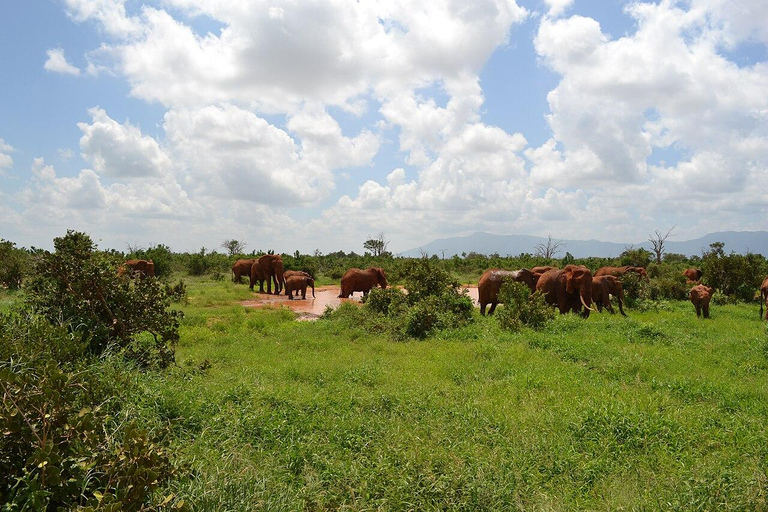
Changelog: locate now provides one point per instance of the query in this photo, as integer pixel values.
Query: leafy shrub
(523, 308)
(382, 300)
(635, 287)
(423, 278)
(733, 274)
(635, 257)
(60, 449)
(436, 312)
(667, 283)
(13, 261)
(176, 292)
(198, 264)
(80, 288)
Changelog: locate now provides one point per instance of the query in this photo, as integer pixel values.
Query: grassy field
(658, 410)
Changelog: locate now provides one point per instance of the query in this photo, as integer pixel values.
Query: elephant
(700, 296)
(764, 298)
(268, 268)
(242, 268)
(490, 283)
(569, 289)
(356, 280)
(541, 270)
(620, 271)
(289, 273)
(296, 283)
(604, 286)
(144, 268)
(693, 275)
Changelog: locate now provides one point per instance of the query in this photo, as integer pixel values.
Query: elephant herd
(572, 288)
(575, 289)
(270, 268)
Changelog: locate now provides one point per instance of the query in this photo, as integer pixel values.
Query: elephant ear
(569, 280)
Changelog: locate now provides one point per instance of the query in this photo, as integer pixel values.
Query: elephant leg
(608, 305)
(706, 310)
(698, 310)
(482, 308)
(621, 309)
(493, 308)
(304, 292)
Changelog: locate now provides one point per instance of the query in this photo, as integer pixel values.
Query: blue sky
(314, 124)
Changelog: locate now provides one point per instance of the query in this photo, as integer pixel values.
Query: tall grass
(658, 410)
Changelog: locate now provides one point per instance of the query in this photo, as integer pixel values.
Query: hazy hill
(486, 243)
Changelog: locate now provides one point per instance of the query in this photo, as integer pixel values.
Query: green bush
(176, 292)
(198, 264)
(523, 308)
(667, 283)
(384, 300)
(13, 262)
(60, 447)
(733, 274)
(636, 288)
(80, 288)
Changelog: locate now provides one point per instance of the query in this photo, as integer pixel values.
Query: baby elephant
(296, 283)
(700, 295)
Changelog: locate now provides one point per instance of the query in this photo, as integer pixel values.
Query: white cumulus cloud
(57, 63)
(120, 150)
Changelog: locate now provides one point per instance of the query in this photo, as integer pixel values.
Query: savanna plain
(260, 411)
(660, 410)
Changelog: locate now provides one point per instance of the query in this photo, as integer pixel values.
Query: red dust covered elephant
(490, 283)
(145, 268)
(700, 296)
(268, 268)
(569, 289)
(356, 280)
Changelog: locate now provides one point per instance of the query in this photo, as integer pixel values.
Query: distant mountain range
(486, 243)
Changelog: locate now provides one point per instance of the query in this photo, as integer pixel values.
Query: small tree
(12, 263)
(80, 288)
(657, 241)
(550, 248)
(635, 257)
(378, 245)
(233, 247)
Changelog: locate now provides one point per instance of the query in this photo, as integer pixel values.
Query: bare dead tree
(658, 240)
(550, 248)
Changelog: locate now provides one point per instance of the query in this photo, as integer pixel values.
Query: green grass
(660, 410)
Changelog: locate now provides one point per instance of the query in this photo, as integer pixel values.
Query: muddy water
(311, 308)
